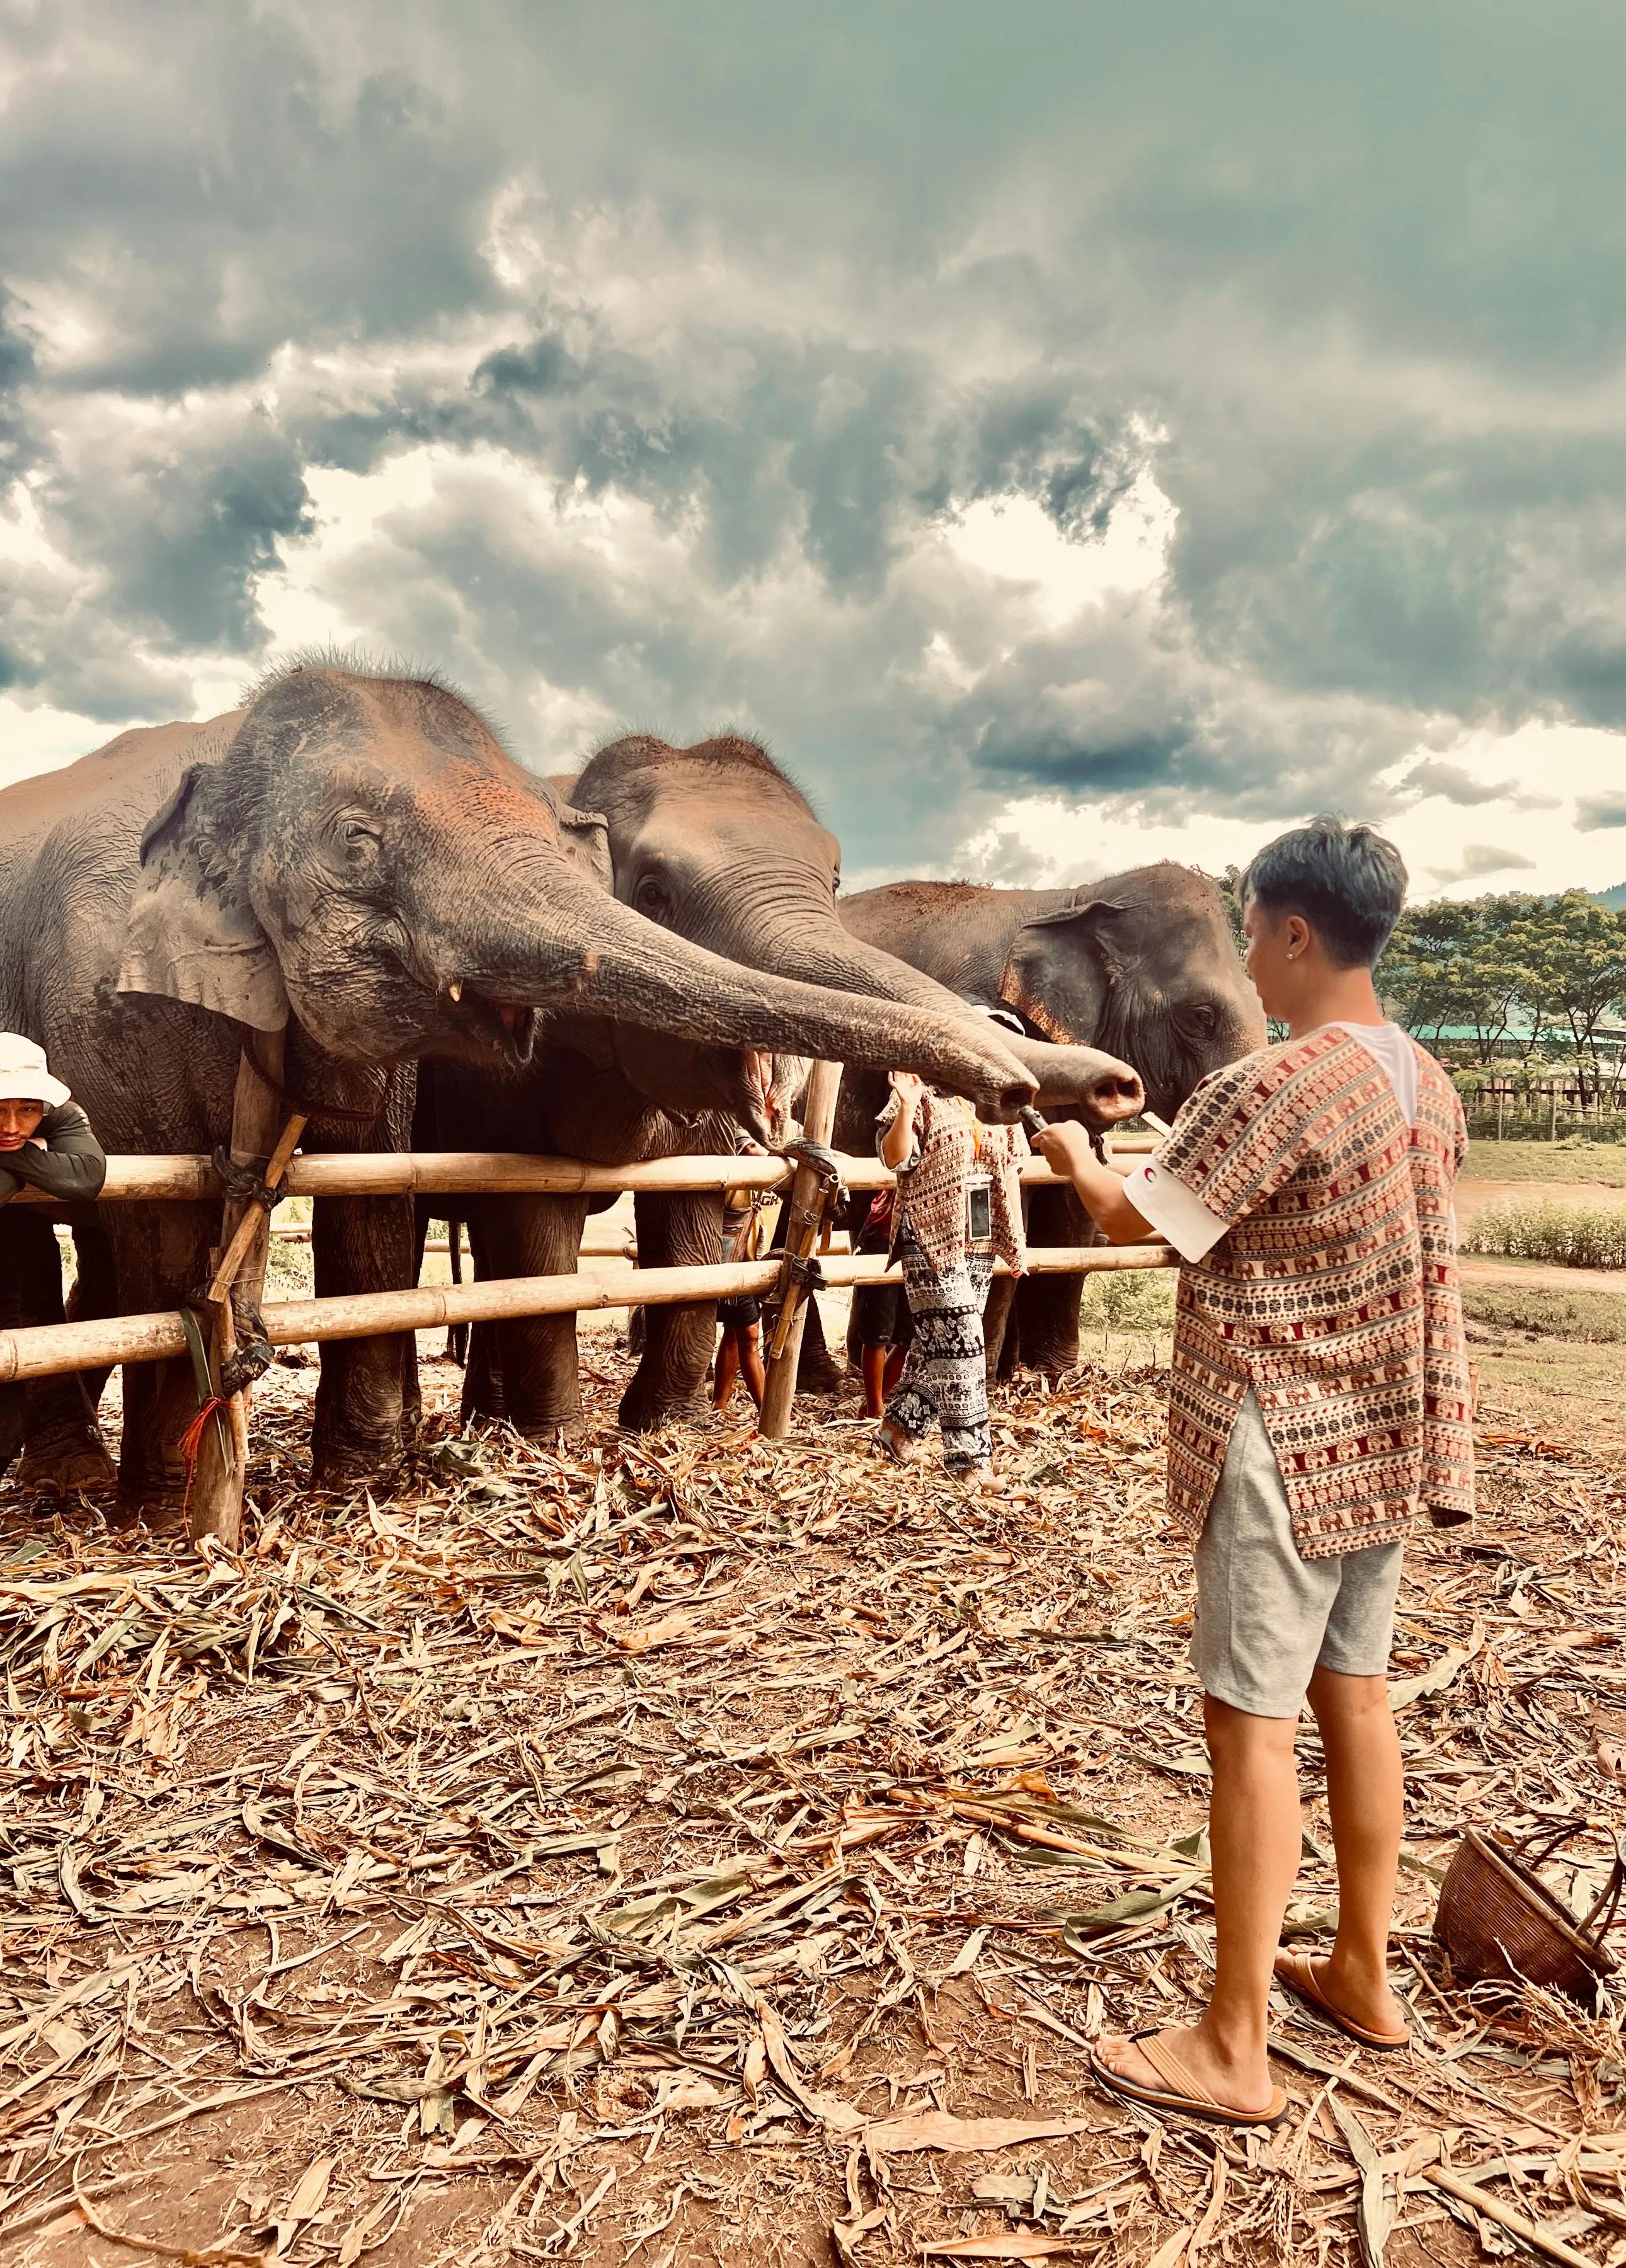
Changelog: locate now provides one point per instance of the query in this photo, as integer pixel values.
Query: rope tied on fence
(254, 1356)
(804, 1270)
(245, 1184)
(218, 1406)
(819, 1158)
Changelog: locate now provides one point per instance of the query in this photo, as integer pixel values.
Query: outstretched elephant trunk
(577, 950)
(1104, 1089)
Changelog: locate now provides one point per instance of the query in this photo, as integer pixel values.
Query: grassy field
(1603, 1162)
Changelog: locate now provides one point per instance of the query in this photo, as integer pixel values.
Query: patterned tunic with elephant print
(1332, 1291)
(952, 1147)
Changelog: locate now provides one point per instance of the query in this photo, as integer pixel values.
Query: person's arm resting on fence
(62, 1159)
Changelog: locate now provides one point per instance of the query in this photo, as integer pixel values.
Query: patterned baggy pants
(945, 1375)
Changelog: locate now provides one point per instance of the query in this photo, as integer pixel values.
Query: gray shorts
(1266, 1618)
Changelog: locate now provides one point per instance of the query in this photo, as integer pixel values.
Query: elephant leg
(489, 1250)
(1046, 1307)
(160, 1254)
(998, 1325)
(817, 1369)
(526, 1362)
(673, 1231)
(61, 1447)
(95, 1293)
(361, 1244)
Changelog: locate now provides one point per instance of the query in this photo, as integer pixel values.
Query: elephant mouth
(507, 1025)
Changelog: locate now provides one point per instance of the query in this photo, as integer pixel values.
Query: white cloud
(1013, 539)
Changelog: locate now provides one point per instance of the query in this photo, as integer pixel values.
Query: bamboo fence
(50, 1350)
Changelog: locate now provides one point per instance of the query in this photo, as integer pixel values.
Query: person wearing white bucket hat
(46, 1144)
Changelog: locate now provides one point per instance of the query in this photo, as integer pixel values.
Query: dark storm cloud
(183, 523)
(802, 289)
(16, 369)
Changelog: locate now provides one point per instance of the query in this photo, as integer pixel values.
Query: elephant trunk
(1106, 1090)
(562, 946)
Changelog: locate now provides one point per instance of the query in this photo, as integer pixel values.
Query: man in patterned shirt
(1320, 1401)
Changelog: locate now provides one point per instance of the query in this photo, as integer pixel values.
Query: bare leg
(751, 1362)
(1366, 1796)
(1255, 1835)
(896, 1359)
(726, 1369)
(873, 1359)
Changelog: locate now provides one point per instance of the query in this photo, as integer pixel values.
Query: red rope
(192, 1442)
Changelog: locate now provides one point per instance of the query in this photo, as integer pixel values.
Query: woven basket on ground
(1497, 1919)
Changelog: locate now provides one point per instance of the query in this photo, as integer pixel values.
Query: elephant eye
(360, 840)
(650, 898)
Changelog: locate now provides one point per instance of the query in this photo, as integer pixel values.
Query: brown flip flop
(1183, 2096)
(1295, 1973)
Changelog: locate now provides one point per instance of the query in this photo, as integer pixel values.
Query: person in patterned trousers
(1319, 1402)
(958, 1208)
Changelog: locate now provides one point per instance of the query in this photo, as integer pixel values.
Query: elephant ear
(587, 843)
(1058, 971)
(191, 933)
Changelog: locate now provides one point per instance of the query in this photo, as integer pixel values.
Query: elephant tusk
(455, 989)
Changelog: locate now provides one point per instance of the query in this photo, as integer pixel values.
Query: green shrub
(1129, 1300)
(1571, 1235)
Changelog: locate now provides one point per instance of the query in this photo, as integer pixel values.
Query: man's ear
(587, 843)
(1058, 972)
(191, 933)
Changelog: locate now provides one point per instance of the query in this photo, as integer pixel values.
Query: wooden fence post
(818, 1124)
(215, 1505)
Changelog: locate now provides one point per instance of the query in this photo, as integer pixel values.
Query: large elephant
(716, 845)
(352, 858)
(1142, 964)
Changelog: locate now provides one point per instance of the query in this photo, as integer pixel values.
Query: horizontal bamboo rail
(431, 1173)
(46, 1351)
(592, 1246)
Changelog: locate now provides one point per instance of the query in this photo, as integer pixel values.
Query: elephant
(718, 847)
(351, 859)
(1142, 964)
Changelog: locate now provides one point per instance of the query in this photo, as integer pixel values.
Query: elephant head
(365, 857)
(714, 843)
(1143, 964)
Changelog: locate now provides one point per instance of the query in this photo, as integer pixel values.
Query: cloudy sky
(1070, 434)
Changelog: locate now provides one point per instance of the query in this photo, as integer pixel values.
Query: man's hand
(1067, 1150)
(1065, 1147)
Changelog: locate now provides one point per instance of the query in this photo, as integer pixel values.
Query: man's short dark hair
(1348, 882)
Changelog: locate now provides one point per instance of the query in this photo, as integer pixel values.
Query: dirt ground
(674, 1849)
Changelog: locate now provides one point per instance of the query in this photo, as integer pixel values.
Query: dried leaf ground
(677, 1848)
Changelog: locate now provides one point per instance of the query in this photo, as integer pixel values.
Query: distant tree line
(1508, 974)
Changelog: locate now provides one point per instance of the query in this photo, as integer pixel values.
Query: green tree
(1572, 955)
(1449, 965)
